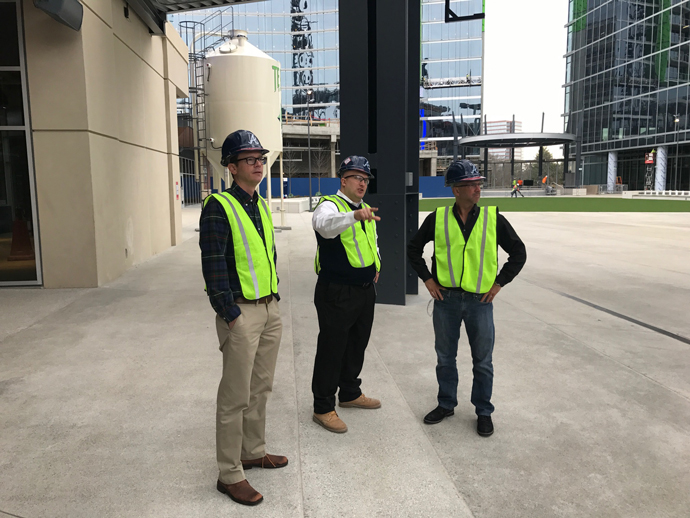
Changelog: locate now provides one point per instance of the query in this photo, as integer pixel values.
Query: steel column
(379, 99)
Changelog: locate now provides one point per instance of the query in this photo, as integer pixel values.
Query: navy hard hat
(355, 163)
(237, 142)
(462, 171)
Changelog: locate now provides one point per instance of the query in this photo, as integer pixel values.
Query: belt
(362, 285)
(256, 302)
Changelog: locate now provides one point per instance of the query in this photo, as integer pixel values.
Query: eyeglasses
(251, 160)
(359, 178)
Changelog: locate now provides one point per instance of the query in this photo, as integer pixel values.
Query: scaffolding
(200, 38)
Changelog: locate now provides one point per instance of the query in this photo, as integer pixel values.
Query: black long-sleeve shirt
(505, 234)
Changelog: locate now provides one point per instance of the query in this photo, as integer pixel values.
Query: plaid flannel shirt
(218, 253)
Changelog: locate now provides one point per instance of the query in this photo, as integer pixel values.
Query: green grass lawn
(567, 204)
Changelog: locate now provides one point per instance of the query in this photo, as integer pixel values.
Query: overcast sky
(524, 68)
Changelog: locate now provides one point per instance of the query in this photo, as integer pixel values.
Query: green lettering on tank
(276, 78)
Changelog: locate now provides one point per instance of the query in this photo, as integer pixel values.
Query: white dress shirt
(329, 222)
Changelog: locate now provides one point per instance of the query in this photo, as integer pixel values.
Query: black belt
(263, 300)
(363, 285)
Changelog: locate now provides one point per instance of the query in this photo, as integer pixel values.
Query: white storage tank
(242, 87)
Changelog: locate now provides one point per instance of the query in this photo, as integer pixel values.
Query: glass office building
(303, 36)
(627, 88)
(300, 34)
(451, 74)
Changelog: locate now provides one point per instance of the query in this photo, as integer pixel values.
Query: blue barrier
(300, 186)
(429, 186)
(432, 187)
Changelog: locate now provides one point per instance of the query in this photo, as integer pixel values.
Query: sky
(524, 68)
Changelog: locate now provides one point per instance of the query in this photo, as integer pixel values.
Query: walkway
(107, 396)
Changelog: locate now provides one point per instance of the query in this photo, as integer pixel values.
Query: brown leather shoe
(331, 422)
(361, 402)
(241, 492)
(267, 462)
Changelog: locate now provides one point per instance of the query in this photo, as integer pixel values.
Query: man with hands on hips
(464, 282)
(347, 263)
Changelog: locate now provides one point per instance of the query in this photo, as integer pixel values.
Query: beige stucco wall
(105, 141)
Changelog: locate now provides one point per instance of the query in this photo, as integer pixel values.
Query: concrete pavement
(107, 396)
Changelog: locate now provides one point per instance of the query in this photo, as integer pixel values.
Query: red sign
(649, 158)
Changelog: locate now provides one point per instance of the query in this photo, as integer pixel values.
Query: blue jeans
(455, 308)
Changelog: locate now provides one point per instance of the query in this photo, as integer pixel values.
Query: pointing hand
(367, 214)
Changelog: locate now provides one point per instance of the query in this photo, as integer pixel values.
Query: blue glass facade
(303, 36)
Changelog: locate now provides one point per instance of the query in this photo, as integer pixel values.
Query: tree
(547, 154)
(289, 167)
(549, 168)
(322, 163)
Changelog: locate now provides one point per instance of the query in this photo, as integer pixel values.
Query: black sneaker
(484, 425)
(437, 415)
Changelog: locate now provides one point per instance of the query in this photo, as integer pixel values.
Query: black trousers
(346, 314)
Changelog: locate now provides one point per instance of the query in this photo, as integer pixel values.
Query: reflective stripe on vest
(361, 252)
(253, 259)
(471, 266)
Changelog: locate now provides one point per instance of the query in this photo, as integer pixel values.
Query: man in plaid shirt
(238, 261)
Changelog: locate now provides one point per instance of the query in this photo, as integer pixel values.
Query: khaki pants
(250, 351)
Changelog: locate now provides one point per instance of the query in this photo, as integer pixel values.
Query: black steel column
(486, 151)
(566, 158)
(414, 21)
(379, 101)
(541, 165)
(486, 164)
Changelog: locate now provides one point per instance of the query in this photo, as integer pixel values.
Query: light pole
(676, 119)
(309, 92)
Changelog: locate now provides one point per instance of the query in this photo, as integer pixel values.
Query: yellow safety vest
(253, 259)
(360, 245)
(471, 266)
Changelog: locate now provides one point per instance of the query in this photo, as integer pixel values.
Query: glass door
(19, 247)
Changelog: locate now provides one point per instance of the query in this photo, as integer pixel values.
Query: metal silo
(242, 86)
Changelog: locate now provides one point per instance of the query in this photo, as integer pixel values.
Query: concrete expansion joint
(85, 4)
(140, 57)
(5, 513)
(620, 364)
(617, 315)
(422, 428)
(86, 130)
(38, 322)
(298, 461)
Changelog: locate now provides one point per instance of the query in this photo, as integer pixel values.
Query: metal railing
(303, 120)
(430, 83)
(191, 186)
(617, 188)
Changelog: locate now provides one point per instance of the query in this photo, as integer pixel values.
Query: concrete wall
(105, 141)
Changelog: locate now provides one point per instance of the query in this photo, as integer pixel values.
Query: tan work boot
(361, 402)
(331, 422)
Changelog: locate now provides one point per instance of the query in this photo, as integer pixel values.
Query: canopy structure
(513, 140)
(153, 12)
